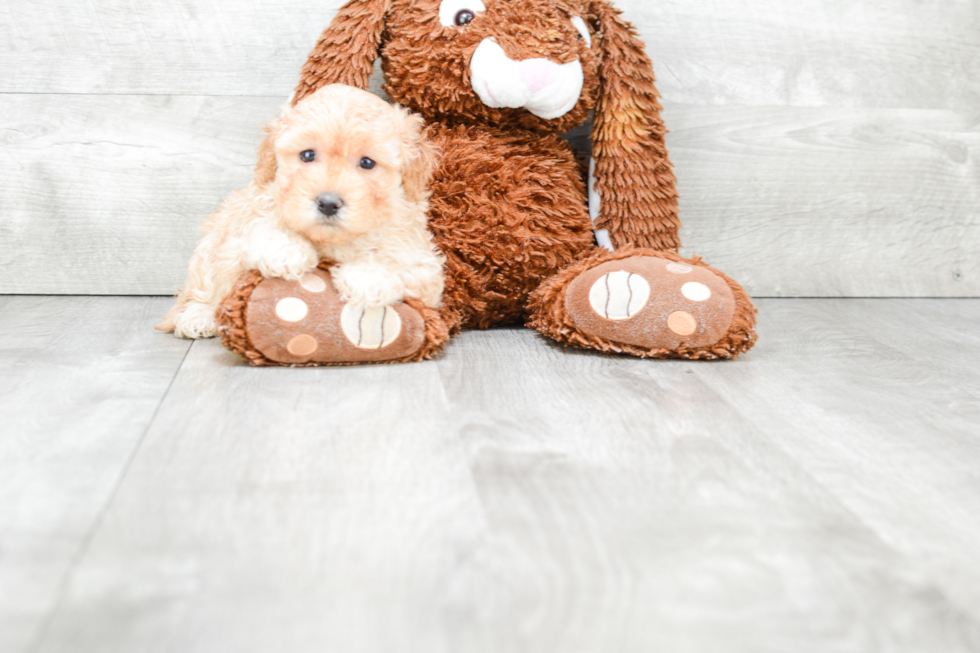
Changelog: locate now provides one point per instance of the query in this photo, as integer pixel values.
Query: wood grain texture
(813, 202)
(902, 433)
(814, 495)
(287, 496)
(80, 379)
(184, 47)
(823, 148)
(903, 54)
(823, 202)
(107, 191)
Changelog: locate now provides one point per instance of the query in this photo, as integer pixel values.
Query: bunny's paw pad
(304, 322)
(651, 302)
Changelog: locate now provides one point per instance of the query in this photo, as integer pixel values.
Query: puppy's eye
(367, 163)
(307, 156)
(459, 13)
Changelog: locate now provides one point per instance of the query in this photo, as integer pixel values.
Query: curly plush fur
(509, 207)
(426, 69)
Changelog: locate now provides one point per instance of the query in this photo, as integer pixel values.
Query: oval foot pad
(651, 302)
(297, 322)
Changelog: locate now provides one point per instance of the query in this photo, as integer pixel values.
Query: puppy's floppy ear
(347, 49)
(420, 157)
(633, 176)
(265, 167)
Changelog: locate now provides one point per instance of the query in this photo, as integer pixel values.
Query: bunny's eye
(307, 156)
(459, 13)
(583, 30)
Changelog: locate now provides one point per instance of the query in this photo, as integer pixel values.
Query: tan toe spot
(302, 345)
(682, 323)
(678, 268)
(313, 282)
(292, 309)
(696, 292)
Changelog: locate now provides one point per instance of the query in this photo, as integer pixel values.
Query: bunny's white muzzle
(546, 89)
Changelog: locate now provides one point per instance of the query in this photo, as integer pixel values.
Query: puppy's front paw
(196, 320)
(281, 257)
(367, 285)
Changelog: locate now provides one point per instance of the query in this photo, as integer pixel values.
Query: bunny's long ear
(347, 49)
(632, 174)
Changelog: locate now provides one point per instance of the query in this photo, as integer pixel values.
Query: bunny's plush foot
(304, 323)
(645, 303)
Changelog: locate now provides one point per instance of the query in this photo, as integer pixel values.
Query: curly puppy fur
(279, 225)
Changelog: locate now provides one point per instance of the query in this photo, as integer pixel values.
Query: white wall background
(823, 147)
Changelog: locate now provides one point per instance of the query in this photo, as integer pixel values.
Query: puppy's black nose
(329, 203)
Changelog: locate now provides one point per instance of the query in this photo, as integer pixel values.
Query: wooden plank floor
(819, 494)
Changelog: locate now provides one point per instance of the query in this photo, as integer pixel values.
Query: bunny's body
(588, 259)
(509, 210)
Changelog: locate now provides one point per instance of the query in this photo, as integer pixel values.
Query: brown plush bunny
(498, 81)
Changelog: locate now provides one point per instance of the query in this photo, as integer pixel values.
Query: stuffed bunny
(584, 256)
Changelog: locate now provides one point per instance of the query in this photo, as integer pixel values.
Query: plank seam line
(42, 630)
(170, 295)
(260, 96)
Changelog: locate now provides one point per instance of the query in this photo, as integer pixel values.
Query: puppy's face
(343, 158)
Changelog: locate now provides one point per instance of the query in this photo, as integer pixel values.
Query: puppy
(341, 175)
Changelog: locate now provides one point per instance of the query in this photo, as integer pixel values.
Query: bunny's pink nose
(538, 73)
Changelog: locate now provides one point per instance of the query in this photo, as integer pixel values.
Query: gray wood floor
(820, 494)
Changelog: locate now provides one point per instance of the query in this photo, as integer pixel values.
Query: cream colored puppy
(342, 175)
